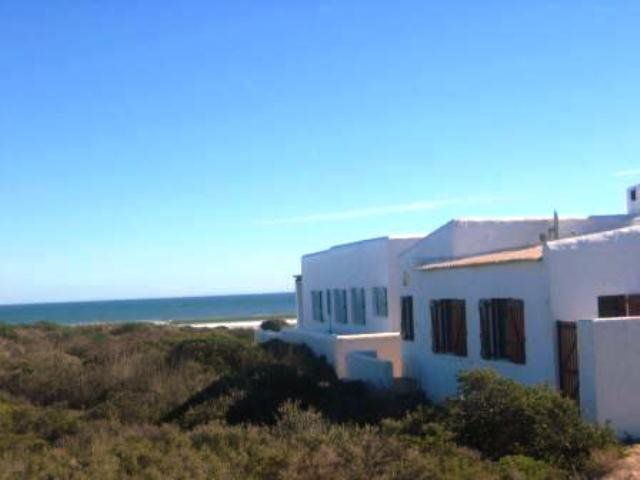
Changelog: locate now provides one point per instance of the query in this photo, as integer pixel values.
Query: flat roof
(386, 238)
(528, 254)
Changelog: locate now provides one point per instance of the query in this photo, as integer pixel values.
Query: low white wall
(321, 344)
(386, 346)
(609, 365)
(365, 366)
(335, 348)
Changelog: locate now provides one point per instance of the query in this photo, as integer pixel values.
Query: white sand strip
(252, 324)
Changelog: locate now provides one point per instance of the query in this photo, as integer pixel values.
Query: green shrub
(8, 331)
(130, 327)
(514, 467)
(48, 326)
(501, 417)
(163, 402)
(220, 351)
(273, 324)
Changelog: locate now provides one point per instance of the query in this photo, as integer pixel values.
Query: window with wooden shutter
(406, 319)
(448, 326)
(379, 301)
(502, 329)
(316, 305)
(619, 306)
(515, 341)
(340, 305)
(384, 302)
(633, 306)
(459, 328)
(485, 329)
(358, 311)
(435, 326)
(612, 306)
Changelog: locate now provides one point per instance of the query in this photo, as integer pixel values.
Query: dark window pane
(612, 306)
(406, 320)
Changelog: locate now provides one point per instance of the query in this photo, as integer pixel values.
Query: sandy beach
(252, 324)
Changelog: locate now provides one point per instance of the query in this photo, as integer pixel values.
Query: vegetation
(141, 401)
(274, 324)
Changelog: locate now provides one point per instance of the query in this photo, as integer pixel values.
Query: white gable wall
(571, 227)
(460, 238)
(480, 236)
(584, 268)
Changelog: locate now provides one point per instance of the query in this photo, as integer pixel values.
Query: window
(502, 329)
(633, 194)
(329, 303)
(619, 306)
(340, 305)
(316, 304)
(379, 296)
(448, 327)
(358, 313)
(406, 319)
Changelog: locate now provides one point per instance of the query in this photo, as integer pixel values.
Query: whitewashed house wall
(437, 372)
(364, 264)
(548, 289)
(583, 268)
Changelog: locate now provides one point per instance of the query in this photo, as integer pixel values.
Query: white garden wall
(367, 367)
(336, 348)
(609, 365)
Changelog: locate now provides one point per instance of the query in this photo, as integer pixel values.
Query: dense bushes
(273, 324)
(164, 402)
(501, 417)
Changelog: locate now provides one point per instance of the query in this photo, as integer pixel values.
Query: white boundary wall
(335, 348)
(609, 365)
(366, 366)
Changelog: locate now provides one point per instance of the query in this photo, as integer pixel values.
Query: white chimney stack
(633, 200)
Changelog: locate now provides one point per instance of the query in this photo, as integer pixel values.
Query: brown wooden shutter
(458, 328)
(403, 318)
(633, 305)
(485, 328)
(406, 326)
(411, 320)
(435, 326)
(515, 340)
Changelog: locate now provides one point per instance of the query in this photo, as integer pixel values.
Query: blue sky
(186, 148)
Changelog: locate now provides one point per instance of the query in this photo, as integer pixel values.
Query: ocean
(187, 309)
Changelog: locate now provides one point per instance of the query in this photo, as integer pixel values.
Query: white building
(545, 300)
(348, 302)
(359, 279)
